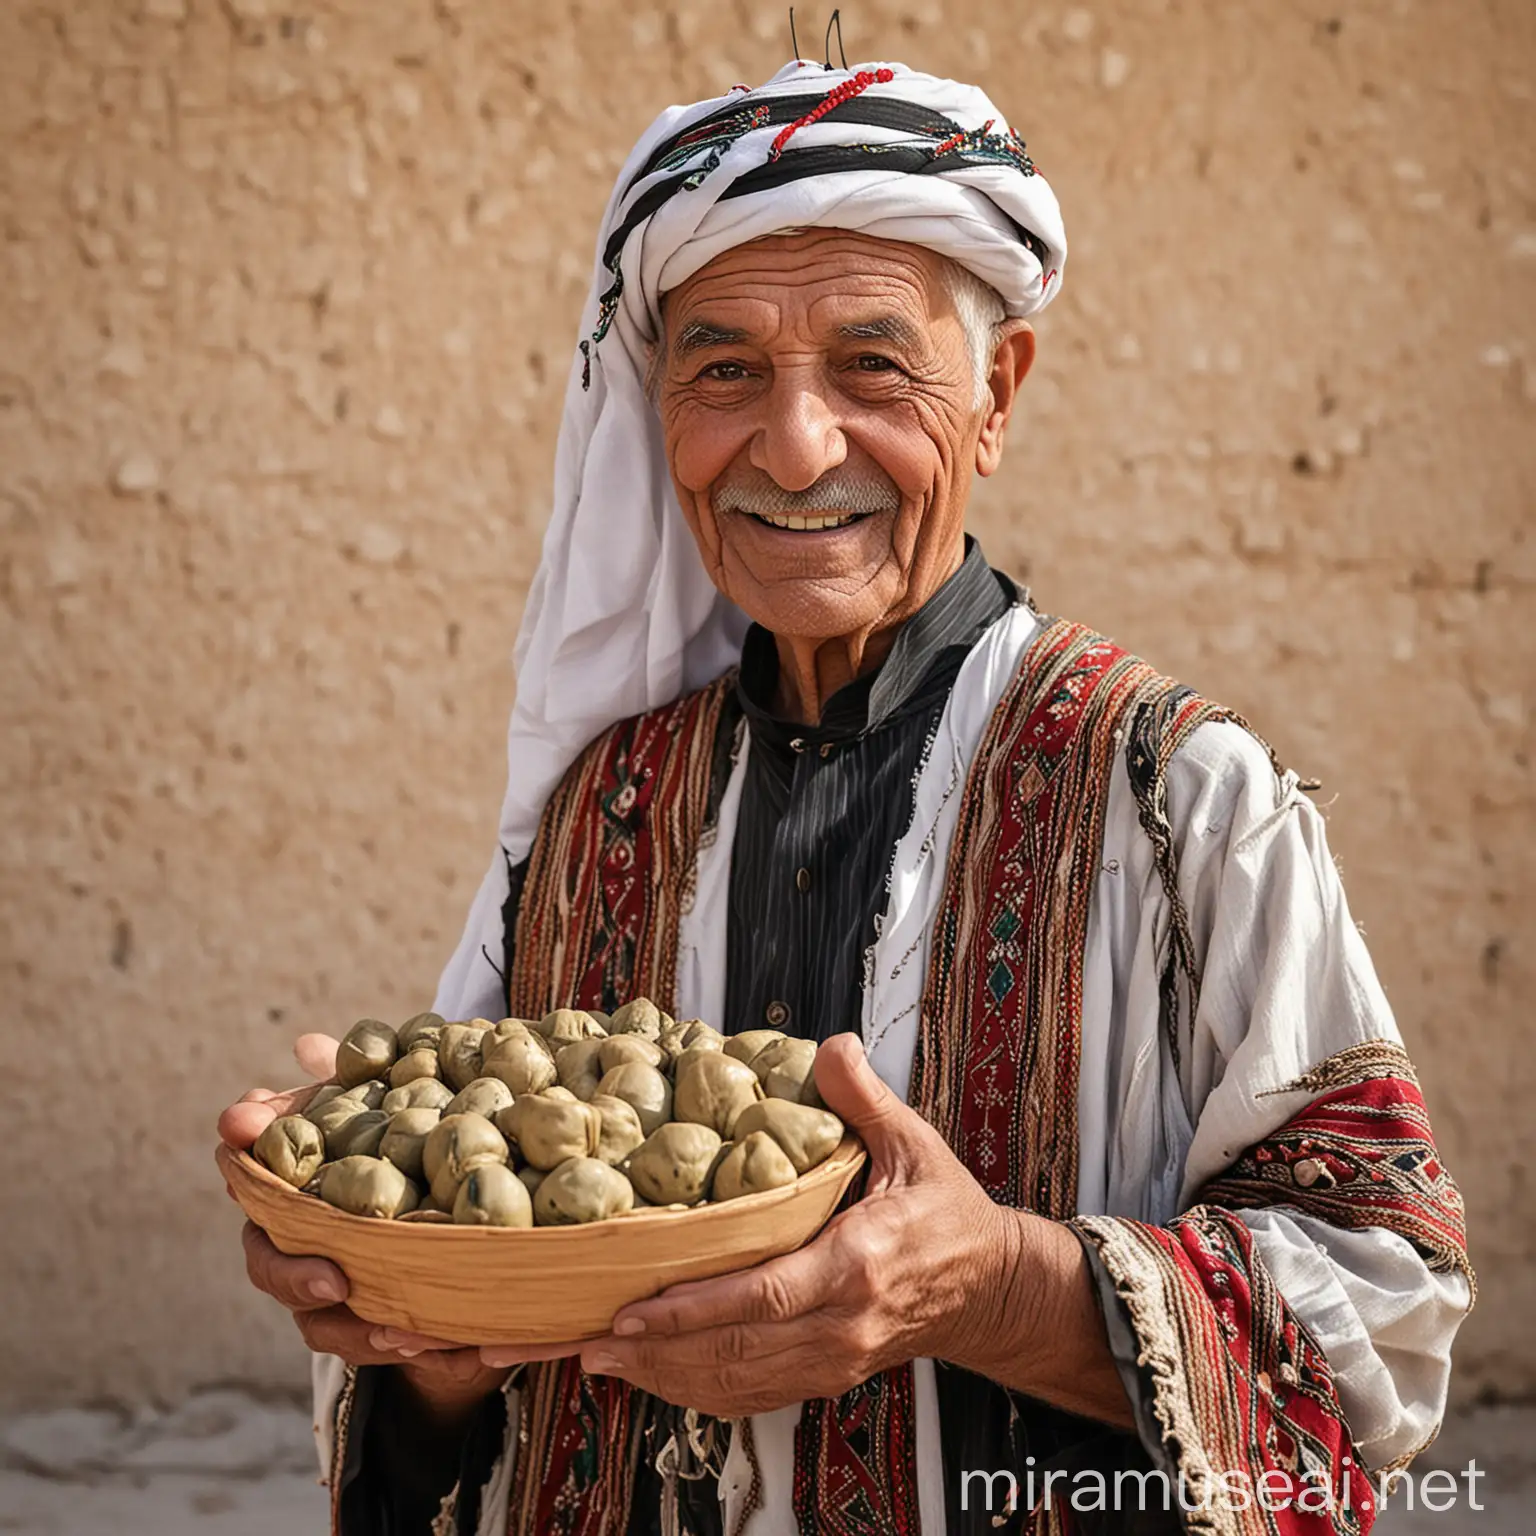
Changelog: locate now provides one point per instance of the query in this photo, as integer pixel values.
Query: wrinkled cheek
(701, 523)
(931, 532)
(705, 531)
(904, 541)
(917, 530)
(690, 460)
(700, 446)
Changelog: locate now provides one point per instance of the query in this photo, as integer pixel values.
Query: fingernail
(603, 1363)
(388, 1340)
(497, 1361)
(629, 1325)
(324, 1289)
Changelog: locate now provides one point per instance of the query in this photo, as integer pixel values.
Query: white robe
(1286, 982)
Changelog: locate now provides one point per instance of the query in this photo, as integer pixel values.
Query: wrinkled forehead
(828, 270)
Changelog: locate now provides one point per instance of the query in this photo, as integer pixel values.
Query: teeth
(804, 524)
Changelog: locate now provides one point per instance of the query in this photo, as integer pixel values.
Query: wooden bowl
(539, 1285)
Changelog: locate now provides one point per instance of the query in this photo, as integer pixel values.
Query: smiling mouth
(814, 523)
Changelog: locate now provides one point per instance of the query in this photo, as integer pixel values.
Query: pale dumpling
(550, 1131)
(642, 1086)
(808, 1135)
(404, 1143)
(713, 1089)
(580, 1190)
(367, 1186)
(493, 1196)
(456, 1144)
(672, 1166)
(746, 1167)
(367, 1050)
(621, 1130)
(293, 1148)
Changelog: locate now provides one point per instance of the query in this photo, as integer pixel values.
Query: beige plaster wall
(288, 294)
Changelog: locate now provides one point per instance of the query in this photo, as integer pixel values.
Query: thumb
(853, 1091)
(317, 1054)
(244, 1121)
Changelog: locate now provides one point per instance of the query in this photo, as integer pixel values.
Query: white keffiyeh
(621, 616)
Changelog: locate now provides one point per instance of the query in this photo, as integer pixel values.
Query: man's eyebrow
(882, 328)
(698, 334)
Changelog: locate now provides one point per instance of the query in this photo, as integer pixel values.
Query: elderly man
(1152, 1189)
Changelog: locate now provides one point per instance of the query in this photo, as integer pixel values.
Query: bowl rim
(842, 1164)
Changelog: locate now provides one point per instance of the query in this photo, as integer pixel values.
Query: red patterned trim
(855, 1462)
(1361, 1155)
(996, 1064)
(614, 860)
(1239, 1385)
(1241, 1391)
(609, 873)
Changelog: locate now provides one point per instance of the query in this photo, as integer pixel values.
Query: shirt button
(802, 879)
(777, 1014)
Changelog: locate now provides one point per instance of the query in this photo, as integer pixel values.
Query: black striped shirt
(823, 807)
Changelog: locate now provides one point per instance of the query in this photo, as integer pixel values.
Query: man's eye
(725, 373)
(873, 362)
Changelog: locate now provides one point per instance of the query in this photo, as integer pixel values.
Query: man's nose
(800, 438)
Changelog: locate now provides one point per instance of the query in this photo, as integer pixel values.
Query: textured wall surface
(288, 294)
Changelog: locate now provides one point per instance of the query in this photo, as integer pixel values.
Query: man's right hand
(447, 1379)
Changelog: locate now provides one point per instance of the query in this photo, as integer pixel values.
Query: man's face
(823, 381)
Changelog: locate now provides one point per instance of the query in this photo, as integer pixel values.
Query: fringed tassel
(446, 1521)
(535, 1423)
(343, 1422)
(754, 1493)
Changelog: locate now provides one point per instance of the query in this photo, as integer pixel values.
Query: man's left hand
(919, 1266)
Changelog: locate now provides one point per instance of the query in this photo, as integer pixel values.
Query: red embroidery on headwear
(956, 139)
(860, 83)
(1047, 283)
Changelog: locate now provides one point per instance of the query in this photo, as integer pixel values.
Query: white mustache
(832, 493)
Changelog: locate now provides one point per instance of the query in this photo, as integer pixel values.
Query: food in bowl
(565, 1120)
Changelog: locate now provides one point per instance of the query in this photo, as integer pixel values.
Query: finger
(242, 1123)
(757, 1386)
(775, 1292)
(404, 1342)
(712, 1349)
(451, 1368)
(301, 1284)
(246, 1119)
(853, 1090)
(340, 1331)
(317, 1054)
(499, 1356)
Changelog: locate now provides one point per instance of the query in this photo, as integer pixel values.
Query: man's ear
(1012, 360)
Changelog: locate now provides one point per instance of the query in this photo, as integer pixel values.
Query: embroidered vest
(996, 1060)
